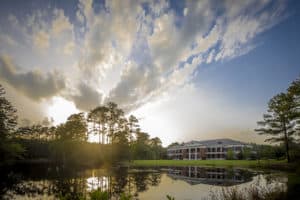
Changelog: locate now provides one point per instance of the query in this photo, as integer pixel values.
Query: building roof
(215, 142)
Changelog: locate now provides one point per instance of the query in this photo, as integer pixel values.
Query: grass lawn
(274, 164)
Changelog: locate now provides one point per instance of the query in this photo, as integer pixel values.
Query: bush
(99, 195)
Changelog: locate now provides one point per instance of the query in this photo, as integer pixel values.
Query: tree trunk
(286, 141)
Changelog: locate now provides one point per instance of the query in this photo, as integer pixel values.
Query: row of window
(211, 149)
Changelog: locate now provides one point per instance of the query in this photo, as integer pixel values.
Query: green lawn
(223, 163)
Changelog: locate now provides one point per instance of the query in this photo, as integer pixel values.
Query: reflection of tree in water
(155, 179)
(8, 181)
(40, 183)
(74, 184)
(15, 183)
(32, 189)
(73, 188)
(143, 179)
(140, 181)
(118, 181)
(132, 183)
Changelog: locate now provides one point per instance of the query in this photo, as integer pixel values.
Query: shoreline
(281, 165)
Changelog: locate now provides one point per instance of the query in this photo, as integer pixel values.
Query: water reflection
(213, 176)
(50, 182)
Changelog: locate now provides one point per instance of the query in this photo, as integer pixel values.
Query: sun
(60, 109)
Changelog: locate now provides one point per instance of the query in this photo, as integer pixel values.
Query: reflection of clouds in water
(262, 185)
(94, 183)
(147, 185)
(181, 189)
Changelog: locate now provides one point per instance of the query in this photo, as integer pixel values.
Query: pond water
(46, 182)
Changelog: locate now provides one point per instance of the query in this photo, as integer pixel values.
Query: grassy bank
(270, 164)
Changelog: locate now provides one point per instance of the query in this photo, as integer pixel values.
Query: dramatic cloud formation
(159, 42)
(33, 84)
(131, 53)
(87, 99)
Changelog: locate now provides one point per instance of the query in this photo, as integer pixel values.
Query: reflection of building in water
(213, 176)
(208, 149)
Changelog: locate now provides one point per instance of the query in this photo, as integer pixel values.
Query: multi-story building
(206, 149)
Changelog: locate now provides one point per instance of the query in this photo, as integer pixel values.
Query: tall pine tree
(8, 117)
(279, 121)
(8, 122)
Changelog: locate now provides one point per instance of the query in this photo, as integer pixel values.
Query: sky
(189, 70)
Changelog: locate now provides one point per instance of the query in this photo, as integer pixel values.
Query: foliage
(230, 154)
(8, 121)
(173, 144)
(74, 129)
(8, 117)
(281, 121)
(245, 154)
(36, 132)
(99, 195)
(10, 151)
(125, 196)
(120, 138)
(78, 153)
(35, 149)
(128, 141)
(268, 152)
(170, 197)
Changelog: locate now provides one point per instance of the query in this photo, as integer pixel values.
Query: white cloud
(33, 84)
(132, 53)
(60, 23)
(41, 39)
(69, 48)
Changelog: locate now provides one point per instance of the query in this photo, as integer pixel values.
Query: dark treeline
(119, 138)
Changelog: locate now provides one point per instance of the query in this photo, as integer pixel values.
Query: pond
(46, 182)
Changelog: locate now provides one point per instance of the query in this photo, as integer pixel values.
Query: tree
(173, 144)
(230, 154)
(156, 147)
(133, 126)
(8, 116)
(113, 116)
(74, 129)
(36, 131)
(294, 92)
(279, 121)
(98, 117)
(8, 122)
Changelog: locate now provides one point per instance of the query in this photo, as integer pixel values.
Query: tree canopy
(282, 118)
(74, 129)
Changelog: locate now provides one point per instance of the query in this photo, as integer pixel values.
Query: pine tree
(279, 121)
(8, 117)
(8, 122)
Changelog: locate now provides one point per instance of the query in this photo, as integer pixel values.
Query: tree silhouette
(98, 118)
(8, 116)
(74, 129)
(8, 122)
(279, 120)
